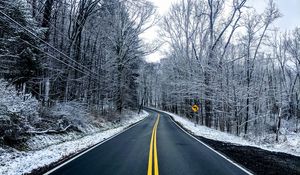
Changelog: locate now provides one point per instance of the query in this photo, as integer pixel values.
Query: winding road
(156, 145)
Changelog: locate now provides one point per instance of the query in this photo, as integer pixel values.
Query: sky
(290, 10)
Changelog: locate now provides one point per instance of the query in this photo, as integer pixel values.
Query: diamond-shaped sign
(195, 108)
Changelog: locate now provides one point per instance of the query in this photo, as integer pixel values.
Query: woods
(78, 60)
(99, 86)
(224, 56)
(83, 50)
(232, 62)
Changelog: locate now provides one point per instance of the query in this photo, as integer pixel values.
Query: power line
(74, 61)
(85, 73)
(57, 29)
(39, 13)
(50, 55)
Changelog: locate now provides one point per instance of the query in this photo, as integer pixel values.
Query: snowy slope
(19, 162)
(290, 146)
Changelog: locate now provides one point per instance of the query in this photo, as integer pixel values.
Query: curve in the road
(156, 145)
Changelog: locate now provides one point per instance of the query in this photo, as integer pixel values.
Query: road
(155, 146)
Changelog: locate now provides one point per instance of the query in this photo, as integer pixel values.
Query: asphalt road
(164, 149)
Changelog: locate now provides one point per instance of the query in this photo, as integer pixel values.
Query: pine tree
(19, 50)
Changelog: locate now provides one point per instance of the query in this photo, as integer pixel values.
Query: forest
(81, 94)
(224, 56)
(81, 54)
(231, 61)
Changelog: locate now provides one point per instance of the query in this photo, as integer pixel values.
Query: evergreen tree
(19, 50)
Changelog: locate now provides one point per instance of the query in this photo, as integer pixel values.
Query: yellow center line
(150, 156)
(155, 150)
(153, 144)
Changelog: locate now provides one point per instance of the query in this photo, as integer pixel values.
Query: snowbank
(19, 162)
(290, 146)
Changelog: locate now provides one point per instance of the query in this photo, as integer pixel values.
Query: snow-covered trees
(221, 56)
(18, 110)
(80, 59)
(83, 50)
(225, 58)
(18, 48)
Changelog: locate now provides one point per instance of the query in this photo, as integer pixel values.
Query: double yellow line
(153, 150)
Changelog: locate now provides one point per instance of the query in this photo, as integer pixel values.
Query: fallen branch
(49, 131)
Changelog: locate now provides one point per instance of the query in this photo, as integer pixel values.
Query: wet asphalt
(127, 153)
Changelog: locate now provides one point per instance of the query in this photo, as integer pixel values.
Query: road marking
(223, 156)
(96, 145)
(242, 168)
(150, 155)
(153, 150)
(156, 172)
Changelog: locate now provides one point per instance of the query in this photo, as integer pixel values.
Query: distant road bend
(154, 146)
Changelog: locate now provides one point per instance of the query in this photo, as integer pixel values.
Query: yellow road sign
(195, 108)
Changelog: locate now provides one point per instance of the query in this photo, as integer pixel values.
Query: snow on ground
(290, 146)
(15, 162)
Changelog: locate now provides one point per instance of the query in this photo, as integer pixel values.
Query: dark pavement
(128, 153)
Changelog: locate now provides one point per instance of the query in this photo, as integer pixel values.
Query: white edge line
(91, 148)
(226, 158)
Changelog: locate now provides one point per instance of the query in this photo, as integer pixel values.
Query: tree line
(75, 50)
(232, 62)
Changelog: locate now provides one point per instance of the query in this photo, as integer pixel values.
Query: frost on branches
(18, 110)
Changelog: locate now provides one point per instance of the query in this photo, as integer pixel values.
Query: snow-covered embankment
(15, 162)
(290, 146)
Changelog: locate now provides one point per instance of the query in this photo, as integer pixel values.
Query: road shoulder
(41, 161)
(254, 159)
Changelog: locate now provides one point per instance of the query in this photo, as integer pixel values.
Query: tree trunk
(278, 125)
(47, 18)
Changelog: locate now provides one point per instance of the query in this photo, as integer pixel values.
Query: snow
(74, 112)
(13, 162)
(17, 102)
(290, 145)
